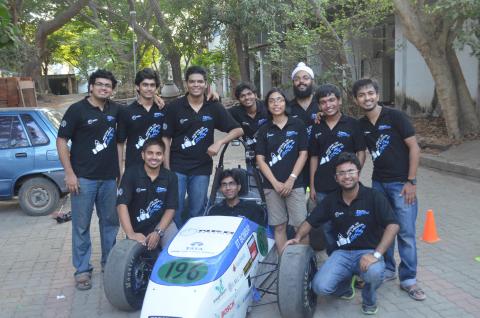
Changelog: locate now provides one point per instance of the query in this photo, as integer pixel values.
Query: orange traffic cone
(430, 230)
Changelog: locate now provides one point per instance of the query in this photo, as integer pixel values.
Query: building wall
(414, 85)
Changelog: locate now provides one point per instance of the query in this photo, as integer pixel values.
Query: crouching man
(364, 226)
(147, 199)
(232, 205)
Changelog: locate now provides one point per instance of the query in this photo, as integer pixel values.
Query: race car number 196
(182, 271)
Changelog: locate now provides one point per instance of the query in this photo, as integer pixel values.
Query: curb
(449, 166)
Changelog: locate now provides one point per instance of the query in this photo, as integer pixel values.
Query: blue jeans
(335, 275)
(197, 189)
(406, 216)
(102, 194)
(327, 228)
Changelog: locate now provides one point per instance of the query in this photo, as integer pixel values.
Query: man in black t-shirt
(147, 198)
(141, 120)
(188, 134)
(390, 138)
(250, 114)
(364, 225)
(91, 167)
(232, 205)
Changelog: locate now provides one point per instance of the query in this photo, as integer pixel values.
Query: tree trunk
(175, 62)
(241, 55)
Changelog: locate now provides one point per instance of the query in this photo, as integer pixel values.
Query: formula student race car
(216, 266)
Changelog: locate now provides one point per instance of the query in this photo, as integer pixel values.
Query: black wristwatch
(160, 232)
(412, 181)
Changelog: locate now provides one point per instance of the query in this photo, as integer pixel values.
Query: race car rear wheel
(297, 267)
(126, 274)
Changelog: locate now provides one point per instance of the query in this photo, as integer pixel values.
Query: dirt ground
(431, 132)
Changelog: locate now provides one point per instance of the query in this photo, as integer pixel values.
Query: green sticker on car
(262, 240)
(184, 271)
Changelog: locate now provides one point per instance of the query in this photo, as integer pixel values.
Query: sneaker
(351, 293)
(369, 310)
(389, 276)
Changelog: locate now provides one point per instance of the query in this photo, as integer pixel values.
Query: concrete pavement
(36, 272)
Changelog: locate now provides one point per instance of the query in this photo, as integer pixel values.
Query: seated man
(232, 205)
(365, 227)
(147, 198)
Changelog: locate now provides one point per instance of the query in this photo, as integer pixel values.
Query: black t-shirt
(192, 133)
(147, 200)
(327, 144)
(248, 209)
(250, 125)
(307, 116)
(136, 125)
(385, 141)
(281, 148)
(93, 153)
(358, 226)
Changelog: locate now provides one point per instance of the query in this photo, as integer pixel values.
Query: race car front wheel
(127, 273)
(297, 267)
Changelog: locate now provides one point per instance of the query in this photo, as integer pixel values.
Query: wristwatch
(412, 181)
(377, 255)
(160, 232)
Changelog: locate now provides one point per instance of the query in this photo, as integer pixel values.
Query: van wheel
(38, 196)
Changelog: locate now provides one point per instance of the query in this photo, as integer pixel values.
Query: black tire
(127, 273)
(38, 196)
(297, 267)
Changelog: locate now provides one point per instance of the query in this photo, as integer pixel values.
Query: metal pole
(133, 15)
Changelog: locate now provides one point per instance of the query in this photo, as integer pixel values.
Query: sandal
(414, 292)
(83, 281)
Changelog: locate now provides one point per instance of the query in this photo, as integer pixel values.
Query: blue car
(29, 164)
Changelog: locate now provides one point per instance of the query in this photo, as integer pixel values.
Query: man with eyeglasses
(91, 168)
(232, 205)
(142, 120)
(364, 225)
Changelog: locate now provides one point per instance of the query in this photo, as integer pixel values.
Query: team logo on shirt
(261, 121)
(361, 212)
(338, 214)
(107, 137)
(384, 127)
(135, 117)
(138, 190)
(354, 232)
(91, 121)
(294, 116)
(152, 132)
(332, 151)
(382, 143)
(244, 123)
(341, 134)
(110, 118)
(281, 152)
(183, 120)
(250, 141)
(313, 116)
(291, 133)
(318, 135)
(206, 118)
(270, 135)
(160, 189)
(165, 126)
(152, 208)
(309, 131)
(156, 115)
(63, 123)
(196, 137)
(119, 192)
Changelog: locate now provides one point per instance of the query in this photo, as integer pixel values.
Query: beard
(302, 94)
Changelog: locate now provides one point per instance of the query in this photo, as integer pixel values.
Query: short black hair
(361, 83)
(153, 142)
(147, 73)
(276, 90)
(229, 173)
(243, 86)
(100, 73)
(195, 69)
(326, 90)
(348, 157)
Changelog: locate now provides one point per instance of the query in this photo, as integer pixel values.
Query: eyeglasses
(228, 184)
(276, 100)
(100, 85)
(304, 77)
(349, 173)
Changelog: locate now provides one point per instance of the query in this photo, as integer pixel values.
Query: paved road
(36, 274)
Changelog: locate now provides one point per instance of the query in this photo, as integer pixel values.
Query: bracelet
(293, 176)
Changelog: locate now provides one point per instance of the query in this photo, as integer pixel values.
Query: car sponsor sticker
(262, 240)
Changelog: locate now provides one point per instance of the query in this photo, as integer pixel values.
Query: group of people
(305, 142)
